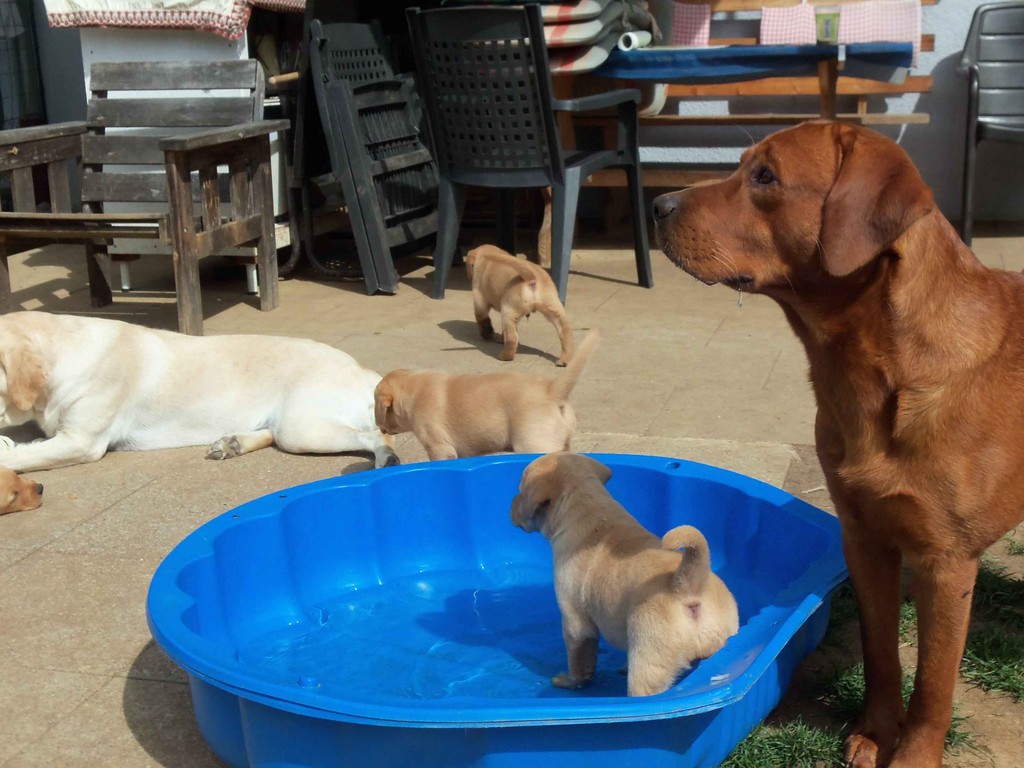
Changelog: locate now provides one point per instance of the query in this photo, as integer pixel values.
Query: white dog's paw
(225, 448)
(6, 443)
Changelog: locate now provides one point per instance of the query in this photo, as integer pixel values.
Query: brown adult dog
(474, 414)
(514, 288)
(665, 608)
(917, 360)
(17, 493)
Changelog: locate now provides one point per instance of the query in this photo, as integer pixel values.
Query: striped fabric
(881, 21)
(794, 25)
(691, 24)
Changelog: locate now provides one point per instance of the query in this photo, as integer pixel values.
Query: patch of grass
(1014, 547)
(791, 745)
(994, 660)
(998, 597)
(843, 610)
(844, 695)
(908, 619)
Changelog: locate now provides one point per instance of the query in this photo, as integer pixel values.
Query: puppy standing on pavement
(515, 288)
(474, 414)
(665, 608)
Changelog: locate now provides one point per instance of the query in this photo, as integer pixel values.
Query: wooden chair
(170, 139)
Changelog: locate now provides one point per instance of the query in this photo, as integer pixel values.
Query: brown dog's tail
(562, 386)
(692, 574)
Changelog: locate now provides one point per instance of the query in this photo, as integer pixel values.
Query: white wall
(937, 148)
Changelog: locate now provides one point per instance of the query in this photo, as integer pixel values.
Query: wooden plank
(39, 152)
(169, 113)
(39, 132)
(800, 86)
(82, 234)
(182, 229)
(240, 130)
(105, 218)
(655, 178)
(927, 41)
(241, 194)
(60, 186)
(770, 118)
(828, 75)
(263, 208)
(172, 75)
(211, 197)
(139, 187)
(121, 149)
(228, 235)
(23, 189)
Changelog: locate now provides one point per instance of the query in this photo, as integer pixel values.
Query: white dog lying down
(95, 385)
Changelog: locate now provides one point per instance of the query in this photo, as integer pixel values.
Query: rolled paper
(630, 40)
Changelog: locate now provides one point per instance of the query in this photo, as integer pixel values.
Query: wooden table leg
(828, 77)
(183, 245)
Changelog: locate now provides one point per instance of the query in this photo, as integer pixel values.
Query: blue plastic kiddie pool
(398, 618)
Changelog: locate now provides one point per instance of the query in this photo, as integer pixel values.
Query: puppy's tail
(692, 574)
(562, 386)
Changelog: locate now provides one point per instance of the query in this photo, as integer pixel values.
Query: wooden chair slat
(169, 113)
(121, 149)
(166, 75)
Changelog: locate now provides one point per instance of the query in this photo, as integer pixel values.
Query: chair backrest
(133, 105)
(995, 45)
(486, 84)
(371, 122)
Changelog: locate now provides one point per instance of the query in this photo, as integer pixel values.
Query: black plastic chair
(370, 119)
(993, 59)
(486, 84)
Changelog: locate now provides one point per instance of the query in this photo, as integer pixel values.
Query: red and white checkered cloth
(876, 21)
(691, 24)
(794, 25)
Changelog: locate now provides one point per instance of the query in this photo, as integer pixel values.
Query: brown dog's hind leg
(875, 571)
(482, 312)
(580, 637)
(509, 333)
(944, 592)
(555, 314)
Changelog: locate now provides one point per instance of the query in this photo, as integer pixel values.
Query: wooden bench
(145, 150)
(829, 95)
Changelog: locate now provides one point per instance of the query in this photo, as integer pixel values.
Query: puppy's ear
(26, 376)
(383, 399)
(876, 196)
(602, 471)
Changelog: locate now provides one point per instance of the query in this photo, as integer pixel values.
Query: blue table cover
(733, 63)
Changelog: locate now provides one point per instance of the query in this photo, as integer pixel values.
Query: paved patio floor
(683, 371)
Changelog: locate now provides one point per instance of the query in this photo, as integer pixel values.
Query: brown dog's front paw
(506, 356)
(861, 752)
(565, 680)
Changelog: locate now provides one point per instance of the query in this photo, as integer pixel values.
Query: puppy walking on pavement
(515, 288)
(664, 607)
(474, 414)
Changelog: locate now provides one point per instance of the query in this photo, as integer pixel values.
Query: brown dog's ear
(876, 196)
(26, 376)
(383, 398)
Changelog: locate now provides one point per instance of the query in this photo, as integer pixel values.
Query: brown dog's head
(18, 494)
(545, 481)
(811, 203)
